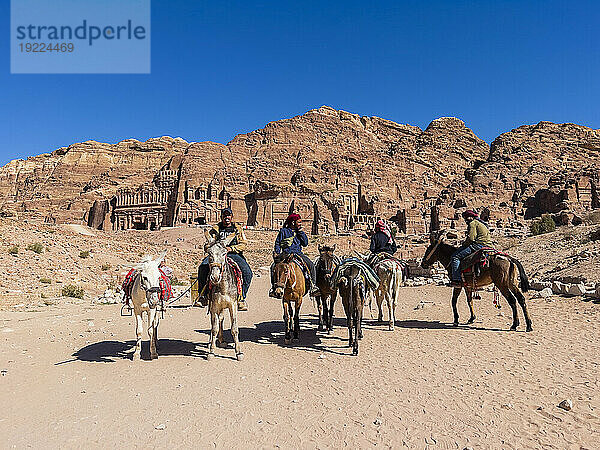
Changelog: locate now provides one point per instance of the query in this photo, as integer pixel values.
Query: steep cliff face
(331, 164)
(63, 184)
(543, 168)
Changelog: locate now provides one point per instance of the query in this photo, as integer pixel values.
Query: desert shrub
(84, 254)
(70, 290)
(36, 247)
(14, 250)
(544, 225)
(592, 218)
(105, 267)
(45, 280)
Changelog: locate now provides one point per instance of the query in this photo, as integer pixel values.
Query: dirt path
(67, 382)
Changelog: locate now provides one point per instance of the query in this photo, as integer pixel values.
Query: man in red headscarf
(290, 240)
(382, 240)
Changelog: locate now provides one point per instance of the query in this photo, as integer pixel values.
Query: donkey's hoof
(513, 328)
(287, 341)
(329, 330)
(154, 356)
(529, 328)
(471, 320)
(210, 356)
(355, 352)
(240, 356)
(320, 328)
(222, 344)
(391, 327)
(455, 324)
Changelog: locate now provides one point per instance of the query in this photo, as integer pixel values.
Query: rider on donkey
(235, 252)
(382, 240)
(478, 236)
(290, 240)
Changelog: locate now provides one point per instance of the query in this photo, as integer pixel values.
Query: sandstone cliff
(335, 167)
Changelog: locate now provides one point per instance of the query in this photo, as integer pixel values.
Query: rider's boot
(242, 305)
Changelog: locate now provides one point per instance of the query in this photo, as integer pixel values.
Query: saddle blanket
(479, 260)
(367, 272)
(166, 292)
(383, 256)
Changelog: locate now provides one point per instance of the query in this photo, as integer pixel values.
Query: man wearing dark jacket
(290, 240)
(382, 240)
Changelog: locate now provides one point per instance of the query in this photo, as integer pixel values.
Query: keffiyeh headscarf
(381, 226)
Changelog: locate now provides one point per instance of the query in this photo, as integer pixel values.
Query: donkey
(352, 290)
(222, 296)
(325, 265)
(290, 287)
(145, 297)
(501, 271)
(391, 276)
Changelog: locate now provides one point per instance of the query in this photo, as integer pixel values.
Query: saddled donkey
(502, 271)
(290, 287)
(223, 294)
(391, 278)
(352, 290)
(145, 297)
(325, 265)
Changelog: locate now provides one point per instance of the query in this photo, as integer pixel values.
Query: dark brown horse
(326, 264)
(502, 271)
(290, 288)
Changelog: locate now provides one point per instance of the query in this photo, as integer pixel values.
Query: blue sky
(225, 67)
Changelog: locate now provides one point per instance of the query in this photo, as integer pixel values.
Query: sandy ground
(67, 380)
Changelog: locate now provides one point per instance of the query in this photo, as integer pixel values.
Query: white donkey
(223, 294)
(391, 279)
(145, 297)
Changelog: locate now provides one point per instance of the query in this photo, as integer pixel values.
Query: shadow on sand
(310, 339)
(110, 351)
(437, 325)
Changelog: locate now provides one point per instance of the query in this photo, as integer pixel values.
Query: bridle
(221, 266)
(288, 277)
(149, 291)
(328, 266)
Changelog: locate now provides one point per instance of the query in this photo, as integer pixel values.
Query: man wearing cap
(235, 251)
(290, 240)
(382, 240)
(478, 235)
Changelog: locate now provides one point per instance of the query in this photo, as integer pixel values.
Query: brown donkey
(352, 290)
(326, 264)
(501, 271)
(290, 288)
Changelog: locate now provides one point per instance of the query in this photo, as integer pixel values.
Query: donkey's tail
(525, 286)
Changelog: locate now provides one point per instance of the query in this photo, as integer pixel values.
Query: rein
(430, 253)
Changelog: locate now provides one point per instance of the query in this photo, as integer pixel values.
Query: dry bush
(71, 290)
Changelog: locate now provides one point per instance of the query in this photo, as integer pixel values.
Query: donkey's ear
(334, 247)
(228, 240)
(210, 239)
(161, 256)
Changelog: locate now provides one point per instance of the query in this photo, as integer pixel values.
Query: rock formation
(339, 170)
